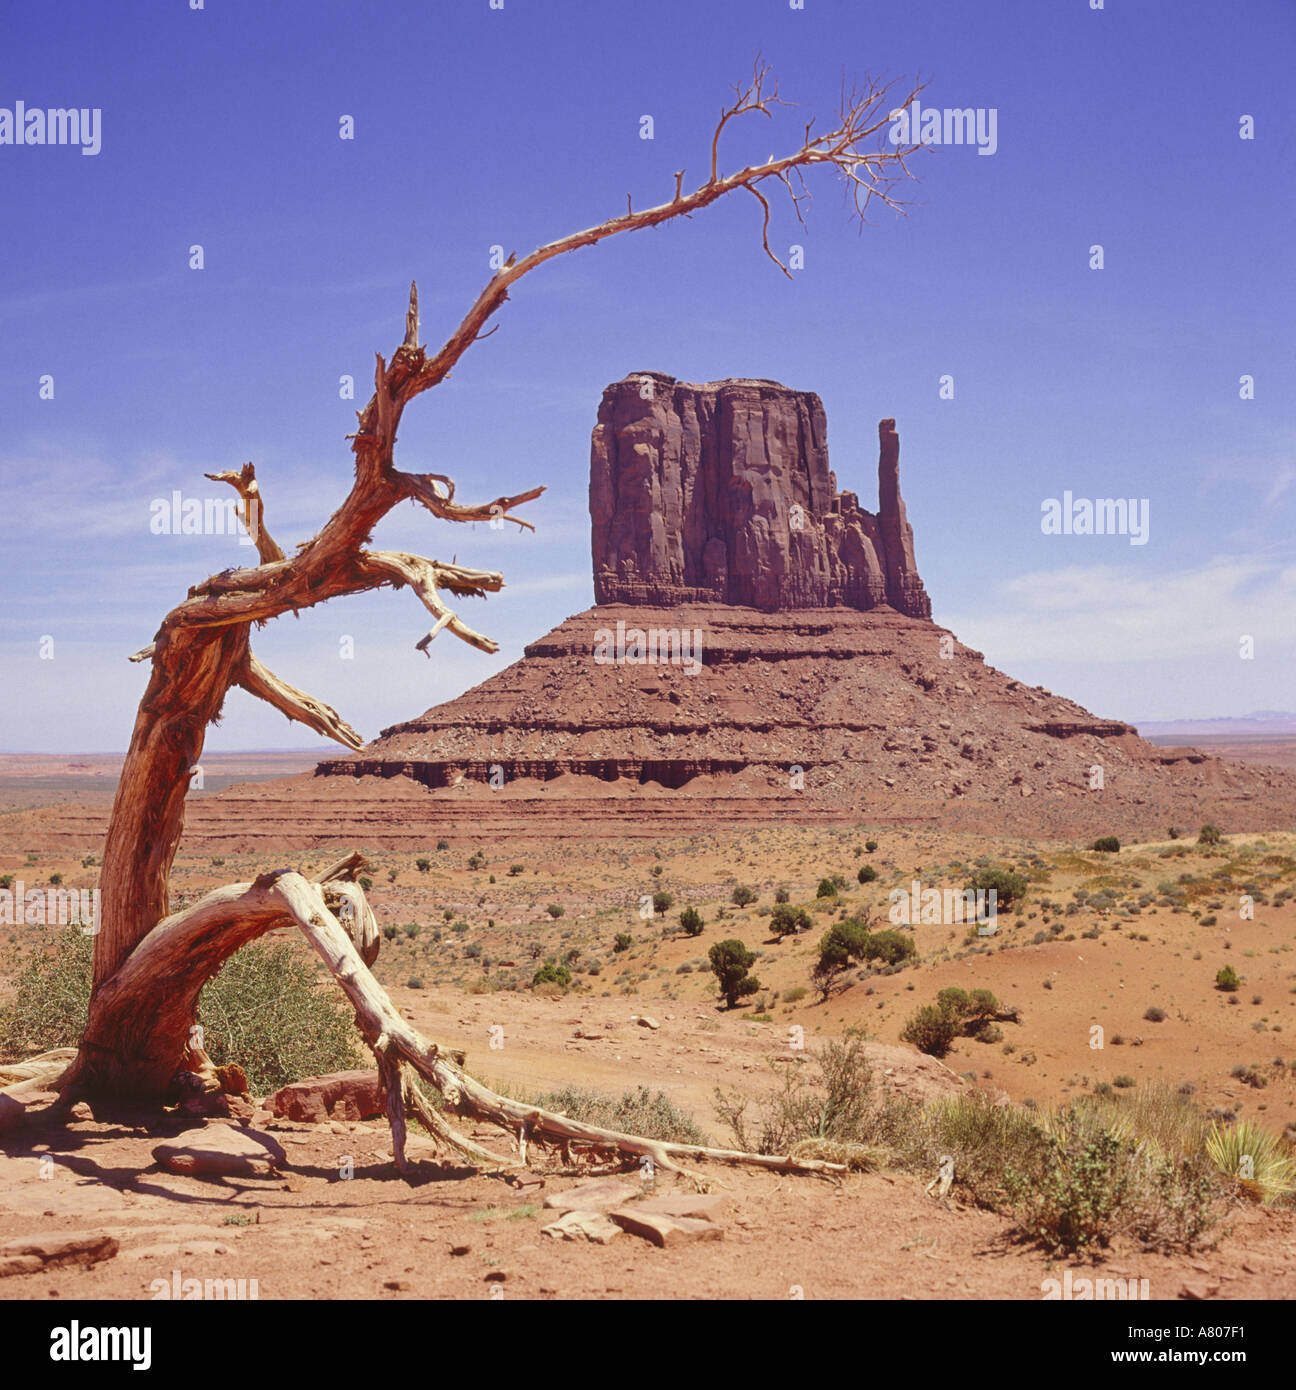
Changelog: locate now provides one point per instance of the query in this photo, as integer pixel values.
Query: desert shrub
(867, 874)
(662, 901)
(264, 1010)
(267, 1011)
(1008, 887)
(1227, 979)
(52, 993)
(516, 869)
(650, 1114)
(787, 921)
(1154, 1014)
(1123, 1082)
(889, 945)
(782, 895)
(1255, 1158)
(742, 896)
(691, 922)
(730, 962)
(1107, 844)
(822, 1107)
(443, 844)
(931, 1030)
(555, 910)
(870, 845)
(1209, 835)
(622, 942)
(1072, 1196)
(551, 973)
(956, 1013)
(827, 889)
(423, 864)
(795, 994)
(414, 982)
(390, 931)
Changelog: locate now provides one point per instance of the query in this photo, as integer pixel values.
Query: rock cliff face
(722, 494)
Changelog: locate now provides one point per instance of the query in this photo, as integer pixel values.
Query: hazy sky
(476, 127)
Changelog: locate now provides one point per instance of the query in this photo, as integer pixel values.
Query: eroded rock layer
(722, 493)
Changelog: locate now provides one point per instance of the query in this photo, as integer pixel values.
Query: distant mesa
(722, 493)
(761, 648)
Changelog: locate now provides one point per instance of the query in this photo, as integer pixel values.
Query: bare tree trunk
(149, 967)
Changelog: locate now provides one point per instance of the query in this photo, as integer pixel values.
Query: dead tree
(150, 964)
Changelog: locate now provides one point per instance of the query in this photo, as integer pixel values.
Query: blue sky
(476, 127)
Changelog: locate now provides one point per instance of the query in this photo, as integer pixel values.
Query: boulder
(341, 1095)
(221, 1151)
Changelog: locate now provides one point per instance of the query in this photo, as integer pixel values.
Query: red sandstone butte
(722, 494)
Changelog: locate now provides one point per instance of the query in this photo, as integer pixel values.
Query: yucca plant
(1257, 1160)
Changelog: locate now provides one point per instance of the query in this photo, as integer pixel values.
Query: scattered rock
(645, 1022)
(221, 1151)
(341, 1095)
(665, 1231)
(30, 1254)
(583, 1225)
(598, 1195)
(1198, 1291)
(700, 1206)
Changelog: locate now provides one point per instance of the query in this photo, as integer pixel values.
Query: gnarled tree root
(187, 948)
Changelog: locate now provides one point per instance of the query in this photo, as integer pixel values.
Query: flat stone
(698, 1206)
(645, 1022)
(25, 1189)
(666, 1231)
(598, 1195)
(29, 1254)
(583, 1225)
(221, 1151)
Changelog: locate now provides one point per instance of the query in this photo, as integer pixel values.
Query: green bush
(730, 962)
(691, 922)
(265, 1010)
(555, 910)
(423, 864)
(787, 921)
(551, 973)
(956, 1013)
(870, 845)
(827, 889)
(1209, 835)
(867, 874)
(1008, 887)
(1107, 844)
(662, 901)
(650, 1114)
(782, 895)
(1227, 979)
(622, 942)
(743, 896)
(52, 993)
